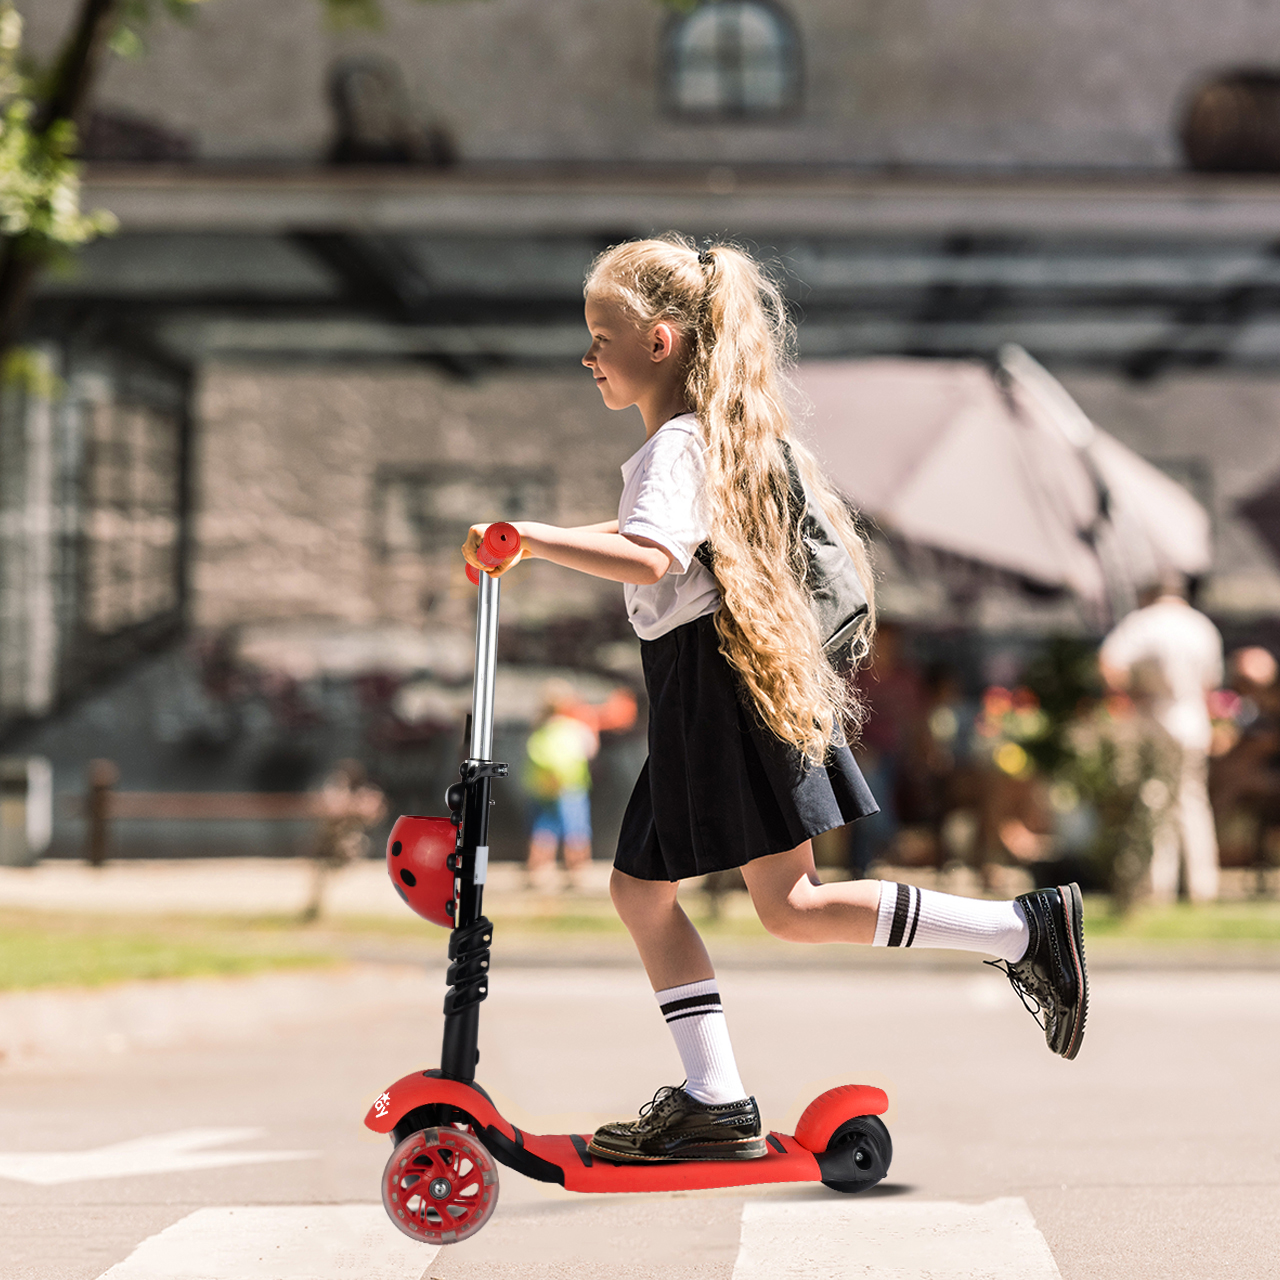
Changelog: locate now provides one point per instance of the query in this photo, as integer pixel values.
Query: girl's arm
(596, 549)
(605, 526)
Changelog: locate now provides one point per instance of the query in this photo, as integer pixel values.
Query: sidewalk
(244, 886)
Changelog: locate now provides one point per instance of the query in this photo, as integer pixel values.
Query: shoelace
(650, 1108)
(1029, 1001)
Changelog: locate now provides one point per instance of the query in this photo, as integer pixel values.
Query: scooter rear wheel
(440, 1186)
(858, 1155)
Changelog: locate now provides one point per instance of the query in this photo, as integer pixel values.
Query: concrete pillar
(30, 524)
(26, 809)
(41, 529)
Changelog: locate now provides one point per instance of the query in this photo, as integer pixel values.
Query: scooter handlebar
(501, 541)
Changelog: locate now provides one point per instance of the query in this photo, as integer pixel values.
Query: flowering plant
(1108, 770)
(1014, 730)
(1123, 764)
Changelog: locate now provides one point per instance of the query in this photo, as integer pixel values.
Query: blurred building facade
(342, 319)
(993, 83)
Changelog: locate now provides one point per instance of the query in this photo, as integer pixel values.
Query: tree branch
(74, 72)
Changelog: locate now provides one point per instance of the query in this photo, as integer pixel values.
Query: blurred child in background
(558, 777)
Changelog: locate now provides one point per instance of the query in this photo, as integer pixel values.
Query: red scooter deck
(787, 1159)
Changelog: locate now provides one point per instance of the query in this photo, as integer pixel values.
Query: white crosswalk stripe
(181, 1151)
(278, 1242)
(892, 1240)
(781, 1239)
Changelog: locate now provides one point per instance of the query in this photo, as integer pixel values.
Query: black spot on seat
(395, 849)
(408, 877)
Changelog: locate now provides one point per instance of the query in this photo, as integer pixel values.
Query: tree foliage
(133, 17)
(39, 178)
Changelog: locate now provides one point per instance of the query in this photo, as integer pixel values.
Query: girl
(747, 760)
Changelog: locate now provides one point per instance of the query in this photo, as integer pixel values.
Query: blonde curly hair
(739, 348)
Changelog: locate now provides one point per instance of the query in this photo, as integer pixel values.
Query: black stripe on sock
(915, 919)
(695, 1013)
(899, 915)
(690, 1002)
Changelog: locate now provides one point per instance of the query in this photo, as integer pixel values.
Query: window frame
(791, 51)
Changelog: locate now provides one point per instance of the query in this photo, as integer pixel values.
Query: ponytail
(741, 341)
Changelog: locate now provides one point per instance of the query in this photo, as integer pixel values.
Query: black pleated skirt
(719, 788)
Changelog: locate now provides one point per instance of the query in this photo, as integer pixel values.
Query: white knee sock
(696, 1018)
(911, 917)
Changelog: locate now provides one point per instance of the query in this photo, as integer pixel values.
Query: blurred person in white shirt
(1168, 657)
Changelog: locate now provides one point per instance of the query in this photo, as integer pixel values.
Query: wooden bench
(103, 805)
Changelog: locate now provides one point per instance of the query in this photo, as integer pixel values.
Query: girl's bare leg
(793, 903)
(685, 984)
(1039, 935)
(670, 947)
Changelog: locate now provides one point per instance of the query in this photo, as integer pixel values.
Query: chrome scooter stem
(486, 668)
(469, 942)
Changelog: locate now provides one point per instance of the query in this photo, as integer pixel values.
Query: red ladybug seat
(417, 853)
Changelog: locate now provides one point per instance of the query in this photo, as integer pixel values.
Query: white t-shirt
(1174, 657)
(664, 500)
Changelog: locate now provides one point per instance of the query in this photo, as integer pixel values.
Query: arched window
(735, 59)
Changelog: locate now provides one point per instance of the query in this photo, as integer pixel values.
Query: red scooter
(441, 1183)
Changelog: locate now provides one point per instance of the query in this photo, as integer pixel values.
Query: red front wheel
(501, 541)
(440, 1186)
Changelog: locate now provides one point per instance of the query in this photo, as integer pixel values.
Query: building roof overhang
(479, 265)
(537, 199)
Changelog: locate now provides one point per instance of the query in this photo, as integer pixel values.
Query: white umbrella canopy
(1143, 523)
(1005, 470)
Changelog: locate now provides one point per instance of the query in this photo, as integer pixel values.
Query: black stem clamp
(473, 770)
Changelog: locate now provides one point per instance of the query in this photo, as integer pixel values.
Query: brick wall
(292, 470)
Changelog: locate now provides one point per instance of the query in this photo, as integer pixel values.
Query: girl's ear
(663, 342)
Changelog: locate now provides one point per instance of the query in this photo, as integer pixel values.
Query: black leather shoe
(1051, 978)
(675, 1126)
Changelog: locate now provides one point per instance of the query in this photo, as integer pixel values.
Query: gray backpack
(835, 590)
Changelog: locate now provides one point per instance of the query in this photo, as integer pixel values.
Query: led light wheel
(440, 1186)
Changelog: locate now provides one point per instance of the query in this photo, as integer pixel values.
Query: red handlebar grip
(501, 541)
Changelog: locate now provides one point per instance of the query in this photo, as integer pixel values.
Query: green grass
(39, 949)
(1254, 921)
(47, 949)
(1224, 922)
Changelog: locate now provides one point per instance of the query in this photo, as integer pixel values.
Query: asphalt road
(1155, 1154)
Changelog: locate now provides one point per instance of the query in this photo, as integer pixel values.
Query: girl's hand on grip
(475, 536)
(473, 549)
